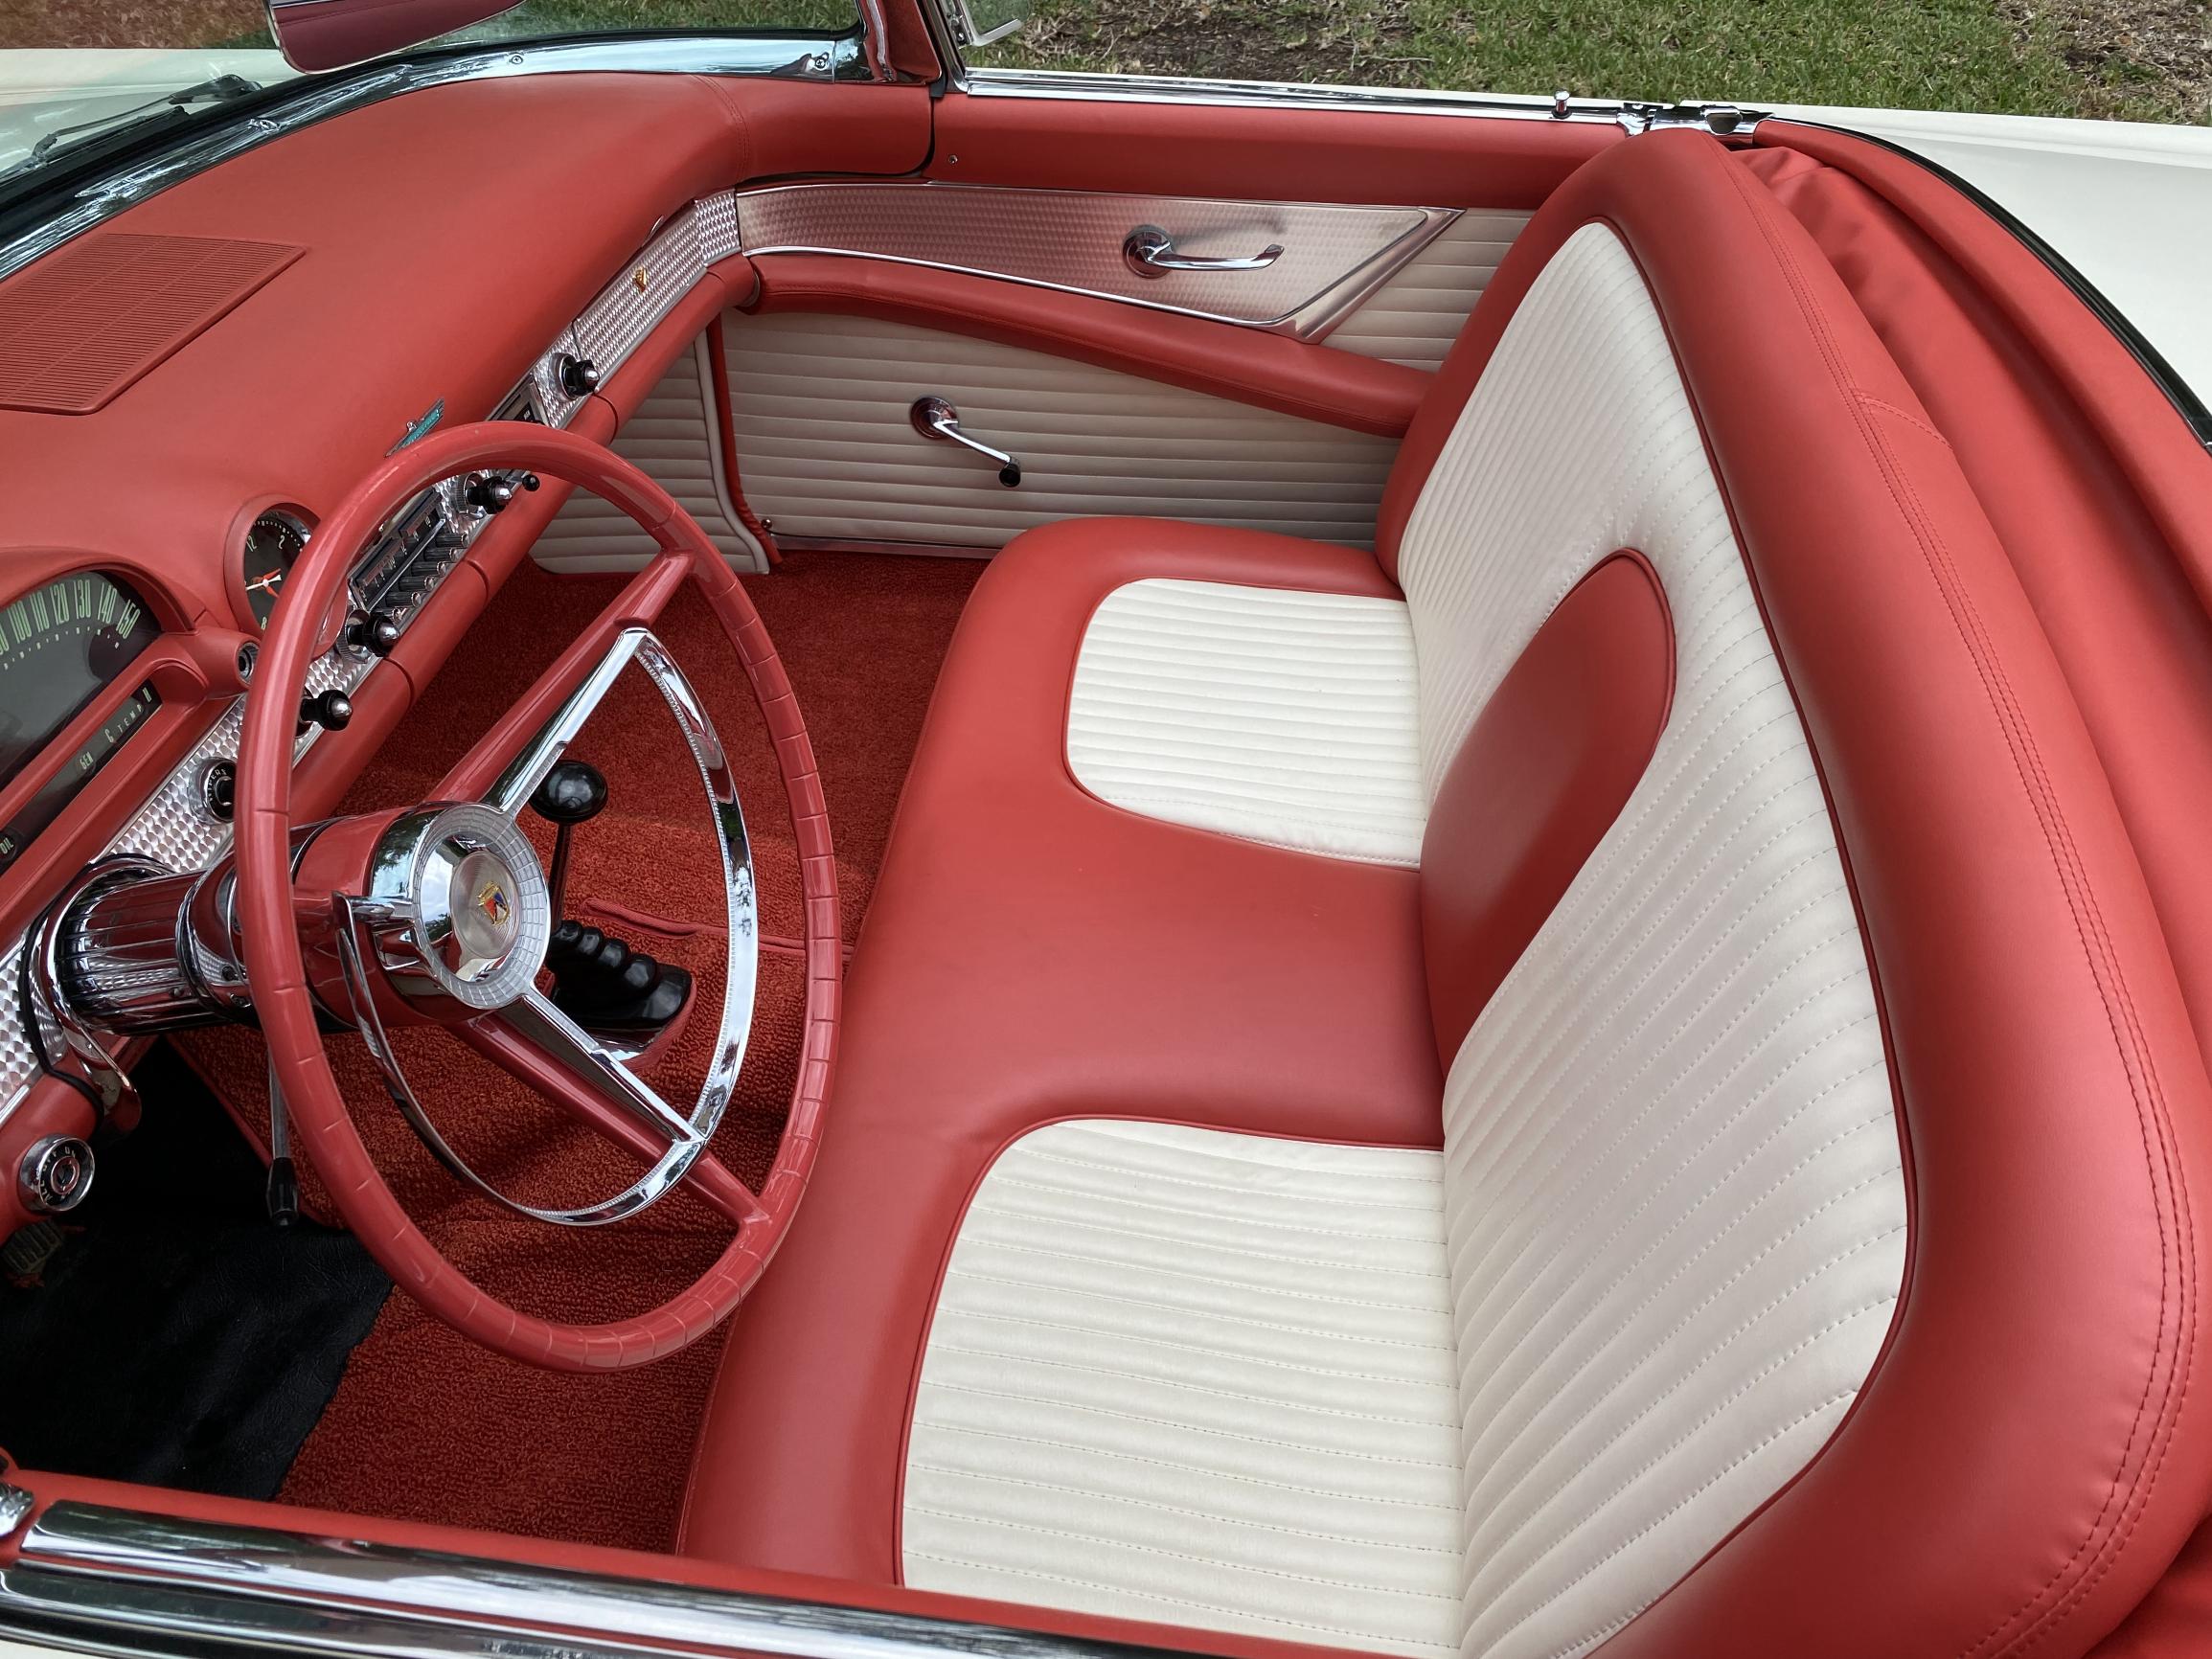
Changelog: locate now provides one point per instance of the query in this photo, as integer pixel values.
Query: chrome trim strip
(1071, 243)
(786, 58)
(1176, 89)
(131, 1583)
(1631, 115)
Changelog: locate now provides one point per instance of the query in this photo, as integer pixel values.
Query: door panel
(1415, 316)
(1323, 257)
(826, 447)
(1268, 398)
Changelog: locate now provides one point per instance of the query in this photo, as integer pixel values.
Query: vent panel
(83, 323)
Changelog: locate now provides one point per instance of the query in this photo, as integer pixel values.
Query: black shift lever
(571, 793)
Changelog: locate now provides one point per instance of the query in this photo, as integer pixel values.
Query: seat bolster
(2032, 1447)
(1033, 954)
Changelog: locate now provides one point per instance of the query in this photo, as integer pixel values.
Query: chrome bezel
(411, 892)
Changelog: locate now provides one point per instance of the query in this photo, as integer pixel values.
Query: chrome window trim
(802, 59)
(1093, 87)
(129, 1582)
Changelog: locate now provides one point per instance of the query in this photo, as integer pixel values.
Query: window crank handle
(936, 417)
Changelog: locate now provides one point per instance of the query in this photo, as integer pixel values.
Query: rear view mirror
(980, 22)
(331, 34)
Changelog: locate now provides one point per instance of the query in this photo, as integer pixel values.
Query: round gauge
(274, 541)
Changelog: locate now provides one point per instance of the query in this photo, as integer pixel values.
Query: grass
(1903, 53)
(2138, 59)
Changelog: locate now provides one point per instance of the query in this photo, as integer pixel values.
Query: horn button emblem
(466, 883)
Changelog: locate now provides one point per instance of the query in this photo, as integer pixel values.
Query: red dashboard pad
(84, 322)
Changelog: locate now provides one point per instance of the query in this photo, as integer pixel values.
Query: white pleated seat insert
(1197, 1378)
(1272, 715)
(1670, 1196)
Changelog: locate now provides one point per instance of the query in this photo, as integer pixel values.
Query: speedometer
(61, 646)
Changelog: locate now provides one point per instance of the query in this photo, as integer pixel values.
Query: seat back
(1818, 1176)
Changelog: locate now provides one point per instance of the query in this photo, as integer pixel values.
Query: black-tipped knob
(572, 792)
(488, 491)
(332, 709)
(375, 633)
(579, 377)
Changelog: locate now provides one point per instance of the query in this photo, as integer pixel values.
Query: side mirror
(980, 22)
(331, 33)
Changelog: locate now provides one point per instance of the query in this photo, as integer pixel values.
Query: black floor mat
(177, 1339)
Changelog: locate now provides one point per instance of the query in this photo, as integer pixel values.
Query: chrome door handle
(936, 418)
(1151, 252)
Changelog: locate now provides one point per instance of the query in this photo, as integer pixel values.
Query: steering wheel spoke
(512, 757)
(534, 1042)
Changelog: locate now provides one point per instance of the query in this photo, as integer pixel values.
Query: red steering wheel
(441, 914)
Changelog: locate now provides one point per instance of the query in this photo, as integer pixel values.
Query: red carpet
(427, 1425)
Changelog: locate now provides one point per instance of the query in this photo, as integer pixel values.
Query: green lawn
(1911, 53)
(2079, 58)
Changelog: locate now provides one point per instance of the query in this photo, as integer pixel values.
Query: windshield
(76, 70)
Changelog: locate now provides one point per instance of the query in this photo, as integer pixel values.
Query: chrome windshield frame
(304, 102)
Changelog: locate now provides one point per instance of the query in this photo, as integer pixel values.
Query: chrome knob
(55, 1175)
(578, 376)
(331, 710)
(488, 491)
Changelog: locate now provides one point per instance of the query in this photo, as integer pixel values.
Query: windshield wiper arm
(220, 90)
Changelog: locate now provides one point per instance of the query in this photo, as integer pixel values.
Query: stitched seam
(1805, 1221)
(1753, 1101)
(1210, 1281)
(1077, 1194)
(1179, 1555)
(1788, 1429)
(1684, 1379)
(1591, 1166)
(1289, 1445)
(1242, 1396)
(1197, 1347)
(1659, 1457)
(2136, 1061)
(1214, 1517)
(1185, 1469)
(1031, 1286)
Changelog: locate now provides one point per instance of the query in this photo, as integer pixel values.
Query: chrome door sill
(125, 1582)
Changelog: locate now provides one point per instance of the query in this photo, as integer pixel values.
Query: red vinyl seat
(1716, 1179)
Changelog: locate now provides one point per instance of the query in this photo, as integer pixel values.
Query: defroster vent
(84, 322)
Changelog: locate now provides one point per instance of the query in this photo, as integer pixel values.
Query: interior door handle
(1151, 252)
(936, 418)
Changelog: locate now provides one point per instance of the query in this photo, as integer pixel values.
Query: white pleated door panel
(822, 408)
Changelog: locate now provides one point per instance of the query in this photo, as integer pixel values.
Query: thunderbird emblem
(421, 427)
(491, 899)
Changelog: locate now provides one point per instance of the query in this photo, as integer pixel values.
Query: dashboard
(131, 607)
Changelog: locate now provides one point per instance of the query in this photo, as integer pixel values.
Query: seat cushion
(1034, 953)
(1273, 714)
(1196, 1376)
